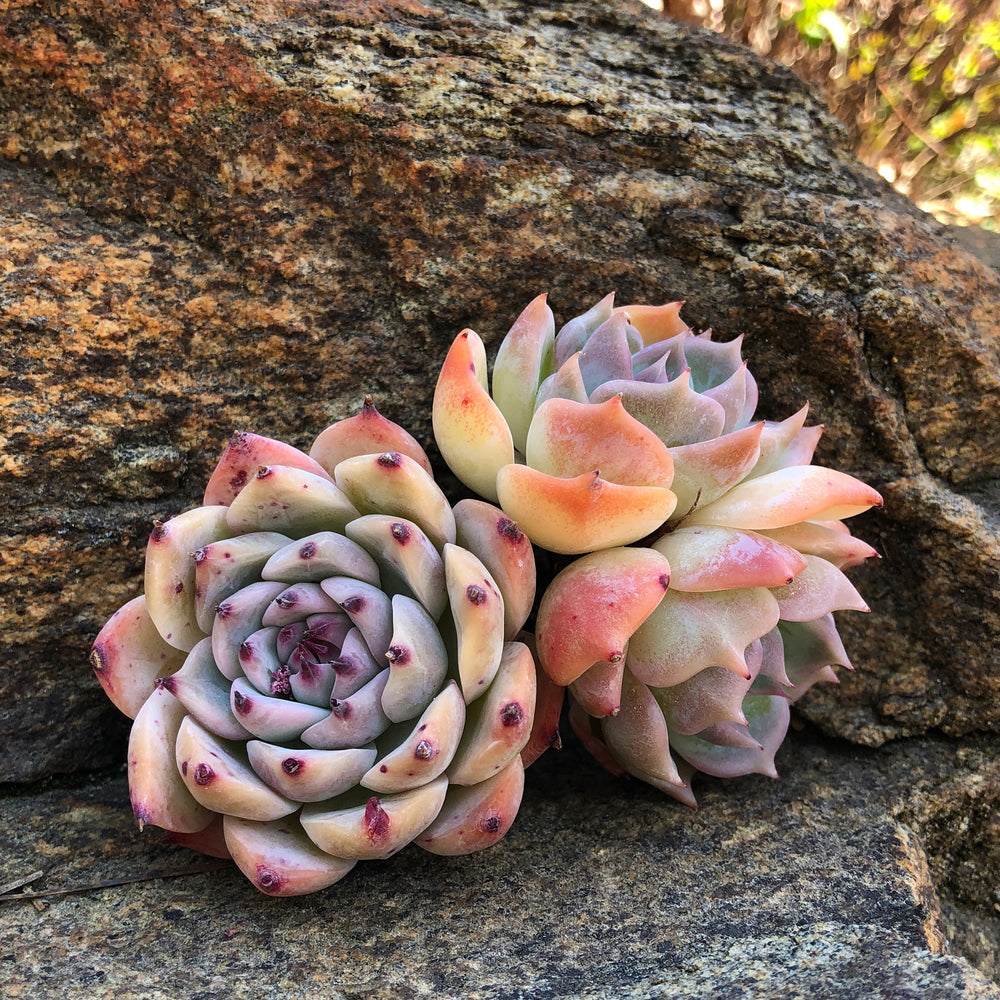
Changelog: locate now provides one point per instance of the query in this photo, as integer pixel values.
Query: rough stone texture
(244, 215)
(817, 885)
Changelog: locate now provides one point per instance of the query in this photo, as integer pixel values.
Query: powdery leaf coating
(576, 515)
(292, 690)
(365, 433)
(524, 361)
(789, 496)
(642, 442)
(131, 655)
(469, 428)
(568, 439)
(244, 455)
(592, 608)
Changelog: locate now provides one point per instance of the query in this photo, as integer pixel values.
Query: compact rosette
(711, 551)
(324, 665)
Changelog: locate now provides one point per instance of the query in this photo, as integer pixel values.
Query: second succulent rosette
(324, 665)
(711, 551)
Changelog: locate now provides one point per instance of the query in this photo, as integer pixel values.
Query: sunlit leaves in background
(917, 84)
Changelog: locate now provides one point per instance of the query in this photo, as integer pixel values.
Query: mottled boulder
(244, 216)
(818, 885)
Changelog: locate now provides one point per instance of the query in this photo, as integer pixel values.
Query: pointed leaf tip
(591, 609)
(469, 427)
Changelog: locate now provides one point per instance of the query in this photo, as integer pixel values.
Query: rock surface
(818, 885)
(221, 216)
(246, 215)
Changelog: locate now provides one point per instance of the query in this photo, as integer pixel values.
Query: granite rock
(222, 216)
(824, 884)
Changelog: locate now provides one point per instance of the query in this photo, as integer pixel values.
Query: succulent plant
(710, 551)
(324, 665)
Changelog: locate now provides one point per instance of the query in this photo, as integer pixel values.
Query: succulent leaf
(656, 323)
(703, 472)
(607, 354)
(279, 859)
(768, 723)
(567, 439)
(129, 656)
(477, 607)
(427, 751)
(819, 589)
(712, 558)
(574, 334)
(170, 572)
(222, 568)
(158, 793)
(366, 433)
(549, 698)
(315, 557)
(524, 360)
(592, 608)
(418, 660)
(407, 559)
(237, 618)
(354, 720)
(217, 773)
(810, 649)
(714, 695)
(637, 734)
(289, 501)
(203, 690)
(469, 427)
(787, 496)
(598, 690)
(270, 718)
(393, 483)
(296, 602)
(475, 817)
(244, 455)
(570, 516)
(674, 411)
(360, 826)
(309, 775)
(565, 383)
(688, 632)
(505, 552)
(831, 540)
(499, 724)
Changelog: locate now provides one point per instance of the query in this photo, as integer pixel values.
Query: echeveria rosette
(324, 665)
(711, 549)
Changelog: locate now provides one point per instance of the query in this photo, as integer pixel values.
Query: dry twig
(7, 896)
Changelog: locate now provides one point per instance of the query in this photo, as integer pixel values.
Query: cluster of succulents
(323, 667)
(710, 551)
(329, 661)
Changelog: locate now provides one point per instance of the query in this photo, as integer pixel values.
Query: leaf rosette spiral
(324, 664)
(710, 550)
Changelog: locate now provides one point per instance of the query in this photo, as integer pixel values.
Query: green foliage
(917, 83)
